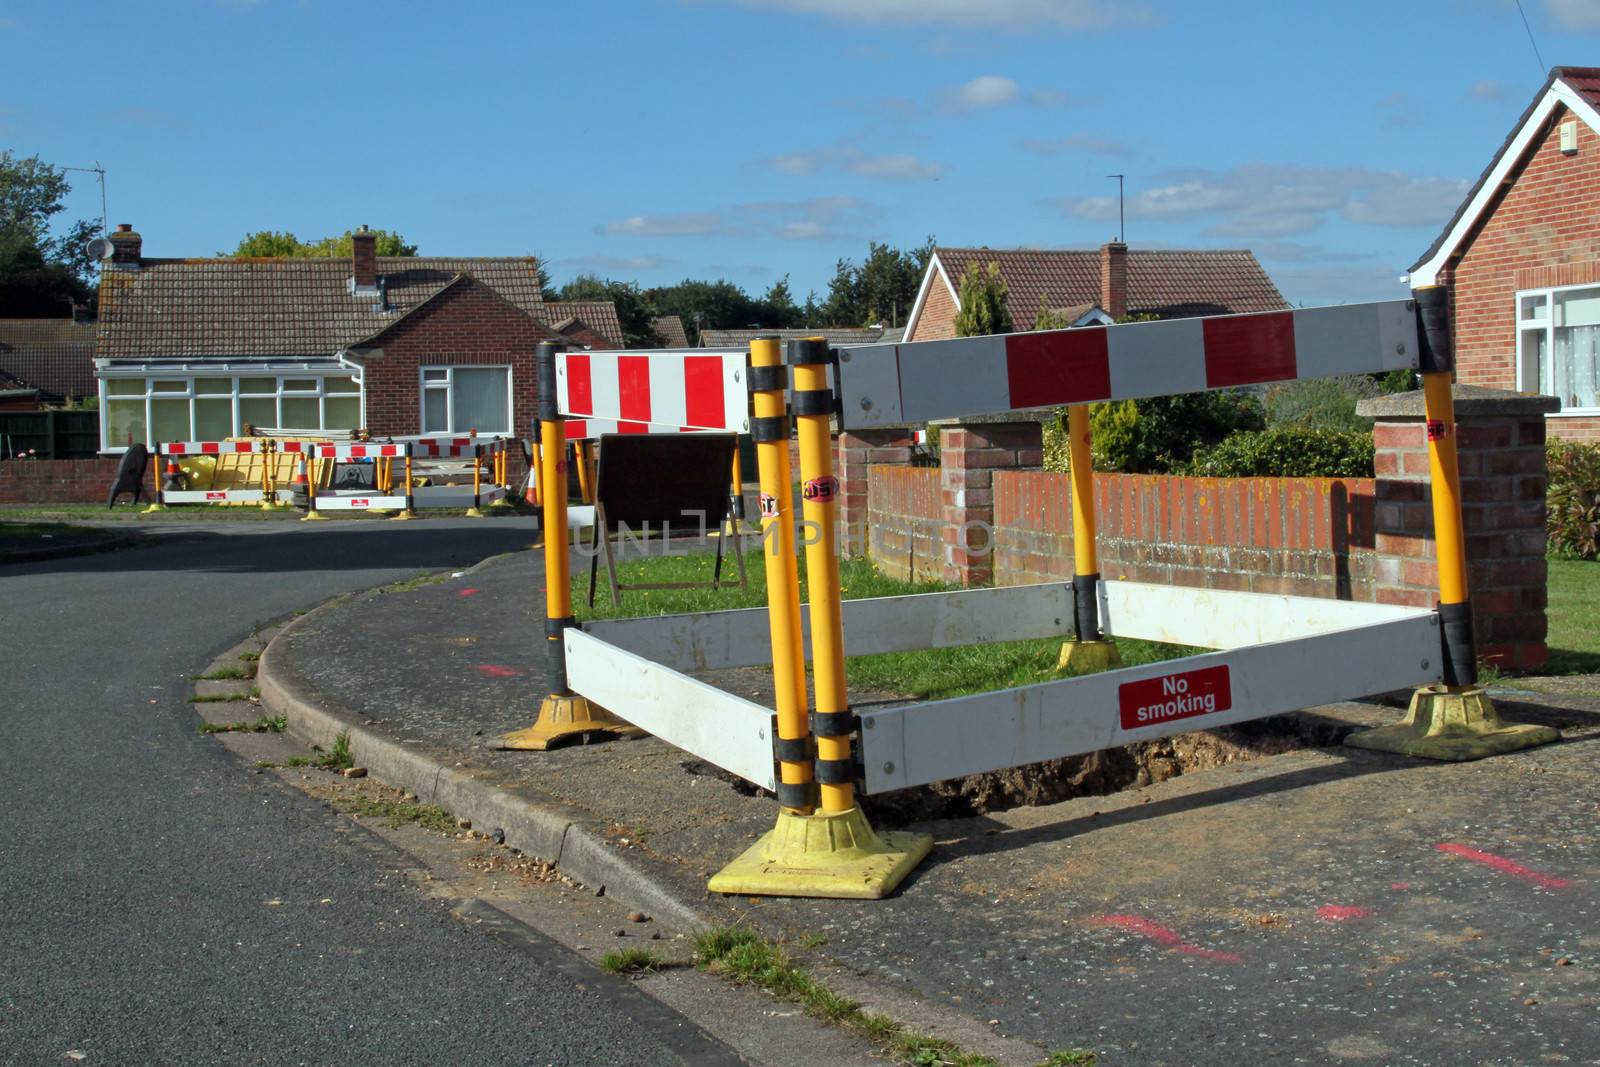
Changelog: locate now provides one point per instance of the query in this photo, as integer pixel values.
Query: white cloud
(983, 93)
(1488, 90)
(1078, 142)
(885, 166)
(821, 218)
(616, 264)
(1006, 16)
(1260, 200)
(1574, 14)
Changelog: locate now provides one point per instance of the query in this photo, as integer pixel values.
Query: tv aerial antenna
(105, 226)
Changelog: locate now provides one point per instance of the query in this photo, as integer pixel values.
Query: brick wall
(905, 534)
(468, 324)
(1544, 231)
(59, 481)
(937, 320)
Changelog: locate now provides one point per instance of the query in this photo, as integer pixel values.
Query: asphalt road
(137, 859)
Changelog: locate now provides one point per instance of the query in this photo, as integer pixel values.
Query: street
(162, 906)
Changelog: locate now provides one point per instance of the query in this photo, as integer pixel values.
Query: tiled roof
(290, 307)
(599, 315)
(9, 384)
(1166, 282)
(1585, 81)
(670, 328)
(835, 335)
(55, 356)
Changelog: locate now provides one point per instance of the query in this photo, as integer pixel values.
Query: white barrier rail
(211, 448)
(733, 733)
(897, 384)
(945, 739)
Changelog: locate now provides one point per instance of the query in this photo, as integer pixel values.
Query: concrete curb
(558, 835)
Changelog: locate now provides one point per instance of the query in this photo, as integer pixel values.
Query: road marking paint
(1503, 865)
(1137, 924)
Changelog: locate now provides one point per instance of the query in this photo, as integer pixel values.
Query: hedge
(1573, 499)
(1287, 452)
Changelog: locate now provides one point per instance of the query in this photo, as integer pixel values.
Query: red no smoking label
(1184, 695)
(360, 502)
(769, 506)
(1437, 430)
(217, 496)
(821, 490)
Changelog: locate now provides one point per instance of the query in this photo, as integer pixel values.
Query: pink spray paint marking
(494, 671)
(1338, 913)
(468, 591)
(1162, 935)
(1399, 885)
(1504, 866)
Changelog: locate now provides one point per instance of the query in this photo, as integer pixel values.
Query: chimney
(126, 247)
(1114, 279)
(364, 259)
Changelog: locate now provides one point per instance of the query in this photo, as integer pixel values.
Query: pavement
(1257, 895)
(163, 905)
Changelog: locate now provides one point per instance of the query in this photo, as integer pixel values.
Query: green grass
(249, 657)
(266, 724)
(398, 812)
(224, 698)
(631, 961)
(1573, 611)
(226, 674)
(924, 674)
(741, 955)
(338, 756)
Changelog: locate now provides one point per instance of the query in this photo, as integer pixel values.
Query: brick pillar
(969, 454)
(858, 451)
(1500, 440)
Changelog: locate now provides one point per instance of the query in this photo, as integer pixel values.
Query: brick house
(203, 349)
(52, 357)
(1095, 286)
(1522, 258)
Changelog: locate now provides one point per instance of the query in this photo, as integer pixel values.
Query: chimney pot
(364, 259)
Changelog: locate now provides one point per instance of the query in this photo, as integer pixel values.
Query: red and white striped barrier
(593, 429)
(343, 450)
(656, 391)
(891, 385)
(456, 447)
(210, 448)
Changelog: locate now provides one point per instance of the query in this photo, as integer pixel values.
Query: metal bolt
(735, 375)
(867, 724)
(888, 768)
(844, 357)
(866, 403)
(1424, 664)
(1400, 349)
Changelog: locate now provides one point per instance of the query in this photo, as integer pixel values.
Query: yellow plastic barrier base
(403, 516)
(154, 508)
(313, 516)
(500, 503)
(829, 854)
(1089, 657)
(1456, 724)
(563, 720)
(472, 513)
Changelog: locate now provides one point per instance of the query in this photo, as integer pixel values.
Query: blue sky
(660, 139)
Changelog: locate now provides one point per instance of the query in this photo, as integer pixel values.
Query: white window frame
(189, 376)
(1548, 329)
(448, 388)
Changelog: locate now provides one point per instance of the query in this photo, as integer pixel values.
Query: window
(211, 409)
(461, 399)
(1558, 335)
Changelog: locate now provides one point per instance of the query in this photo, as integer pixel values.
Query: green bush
(1573, 499)
(1161, 434)
(1288, 452)
(1322, 403)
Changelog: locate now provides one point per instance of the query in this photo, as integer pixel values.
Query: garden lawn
(925, 674)
(1574, 615)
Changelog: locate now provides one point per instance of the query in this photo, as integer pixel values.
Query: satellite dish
(99, 248)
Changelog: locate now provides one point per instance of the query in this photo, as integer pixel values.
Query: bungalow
(1095, 287)
(52, 357)
(1522, 258)
(204, 349)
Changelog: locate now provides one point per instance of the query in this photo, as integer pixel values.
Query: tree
(40, 277)
(882, 289)
(273, 244)
(635, 309)
(718, 305)
(777, 307)
(983, 298)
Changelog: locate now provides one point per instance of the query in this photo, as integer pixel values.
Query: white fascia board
(934, 266)
(1559, 93)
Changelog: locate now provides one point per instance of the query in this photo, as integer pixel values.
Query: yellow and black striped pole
(1456, 720)
(563, 715)
(1089, 651)
(832, 852)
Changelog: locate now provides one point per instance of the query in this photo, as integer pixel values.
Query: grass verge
(741, 955)
(225, 674)
(398, 812)
(1574, 605)
(929, 674)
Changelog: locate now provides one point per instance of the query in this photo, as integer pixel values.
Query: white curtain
(478, 400)
(1577, 373)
